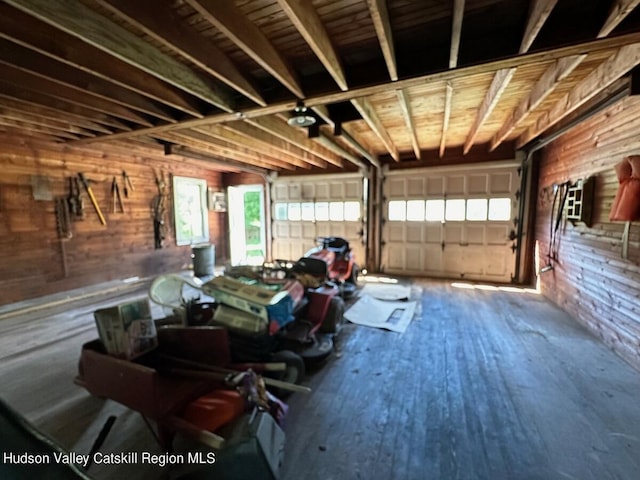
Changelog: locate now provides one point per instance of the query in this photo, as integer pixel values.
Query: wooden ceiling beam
(205, 142)
(44, 67)
(29, 81)
(369, 115)
(305, 18)
(557, 72)
(78, 20)
(405, 106)
(37, 99)
(513, 61)
(456, 33)
(298, 137)
(540, 11)
(262, 139)
(226, 17)
(35, 119)
(22, 29)
(263, 150)
(609, 71)
(51, 114)
(380, 16)
(619, 11)
(161, 23)
(31, 127)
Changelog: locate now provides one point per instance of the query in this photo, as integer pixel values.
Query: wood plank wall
(591, 280)
(31, 254)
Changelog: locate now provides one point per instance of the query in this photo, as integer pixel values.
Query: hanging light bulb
(300, 117)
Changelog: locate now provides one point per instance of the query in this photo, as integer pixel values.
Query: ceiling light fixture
(300, 117)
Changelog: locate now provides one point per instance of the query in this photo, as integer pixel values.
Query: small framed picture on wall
(217, 201)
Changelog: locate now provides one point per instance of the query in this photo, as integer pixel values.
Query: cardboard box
(127, 330)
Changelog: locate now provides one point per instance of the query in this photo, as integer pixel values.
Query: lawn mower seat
(338, 245)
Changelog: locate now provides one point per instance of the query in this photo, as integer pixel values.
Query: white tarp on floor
(386, 314)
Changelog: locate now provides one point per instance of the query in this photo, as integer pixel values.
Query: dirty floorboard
(484, 384)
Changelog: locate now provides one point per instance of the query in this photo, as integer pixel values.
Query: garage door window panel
(454, 210)
(415, 210)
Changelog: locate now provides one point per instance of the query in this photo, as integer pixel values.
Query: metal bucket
(203, 260)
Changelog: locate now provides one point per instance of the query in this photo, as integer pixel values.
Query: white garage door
(305, 208)
(452, 223)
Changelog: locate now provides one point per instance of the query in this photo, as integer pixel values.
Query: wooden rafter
(228, 19)
(234, 134)
(380, 17)
(442, 76)
(619, 64)
(76, 19)
(369, 115)
(280, 129)
(556, 72)
(42, 66)
(307, 21)
(161, 23)
(540, 11)
(405, 106)
(47, 40)
(35, 119)
(456, 33)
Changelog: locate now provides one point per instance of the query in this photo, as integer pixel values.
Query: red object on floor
(215, 409)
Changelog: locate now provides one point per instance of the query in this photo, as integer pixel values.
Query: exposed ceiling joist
(84, 23)
(380, 17)
(369, 115)
(618, 65)
(405, 106)
(540, 11)
(619, 11)
(226, 17)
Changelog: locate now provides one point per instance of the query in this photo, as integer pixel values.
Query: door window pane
(415, 210)
(281, 211)
(454, 210)
(336, 211)
(397, 211)
(294, 211)
(322, 211)
(477, 209)
(352, 211)
(307, 213)
(500, 209)
(435, 210)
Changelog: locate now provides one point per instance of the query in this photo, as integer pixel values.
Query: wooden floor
(484, 384)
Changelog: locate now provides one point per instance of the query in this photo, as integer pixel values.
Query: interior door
(454, 223)
(247, 224)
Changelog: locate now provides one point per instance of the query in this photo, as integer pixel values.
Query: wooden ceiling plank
(554, 74)
(330, 144)
(280, 129)
(37, 128)
(456, 33)
(248, 143)
(35, 119)
(51, 114)
(204, 141)
(76, 19)
(42, 66)
(161, 23)
(513, 61)
(619, 11)
(545, 85)
(369, 115)
(47, 40)
(227, 18)
(26, 80)
(380, 16)
(540, 11)
(37, 99)
(185, 152)
(262, 139)
(305, 18)
(405, 106)
(615, 67)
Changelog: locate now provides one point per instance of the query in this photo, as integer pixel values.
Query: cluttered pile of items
(216, 371)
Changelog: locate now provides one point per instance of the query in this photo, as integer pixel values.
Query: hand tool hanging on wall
(74, 199)
(128, 184)
(92, 197)
(115, 196)
(559, 199)
(159, 211)
(63, 224)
